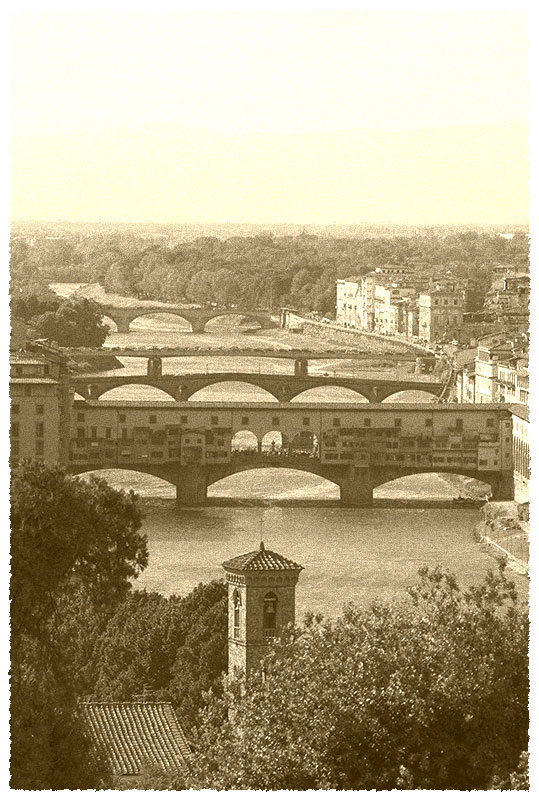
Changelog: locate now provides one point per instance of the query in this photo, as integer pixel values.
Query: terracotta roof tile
(260, 559)
(133, 734)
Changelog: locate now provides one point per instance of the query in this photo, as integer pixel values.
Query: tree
(72, 541)
(75, 323)
(427, 693)
(175, 646)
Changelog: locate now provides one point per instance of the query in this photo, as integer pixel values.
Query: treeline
(256, 271)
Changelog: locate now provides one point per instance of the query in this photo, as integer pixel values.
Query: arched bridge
(196, 317)
(356, 446)
(283, 387)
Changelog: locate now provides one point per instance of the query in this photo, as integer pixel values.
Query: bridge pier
(503, 486)
(192, 486)
(122, 325)
(155, 367)
(197, 325)
(356, 487)
(301, 367)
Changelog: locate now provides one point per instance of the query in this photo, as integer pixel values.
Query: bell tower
(261, 602)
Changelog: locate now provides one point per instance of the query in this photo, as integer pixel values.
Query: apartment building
(41, 401)
(440, 313)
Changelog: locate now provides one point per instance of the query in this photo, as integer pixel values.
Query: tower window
(237, 612)
(269, 618)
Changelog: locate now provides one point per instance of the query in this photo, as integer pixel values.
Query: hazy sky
(305, 117)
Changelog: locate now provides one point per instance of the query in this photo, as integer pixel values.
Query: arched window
(269, 617)
(237, 610)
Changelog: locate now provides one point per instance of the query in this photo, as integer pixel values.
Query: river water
(348, 554)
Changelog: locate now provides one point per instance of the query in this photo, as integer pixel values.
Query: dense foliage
(428, 693)
(75, 545)
(69, 323)
(257, 271)
(172, 648)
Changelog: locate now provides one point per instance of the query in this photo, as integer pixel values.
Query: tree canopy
(75, 546)
(427, 693)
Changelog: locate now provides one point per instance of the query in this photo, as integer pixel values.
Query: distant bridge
(357, 447)
(283, 387)
(122, 316)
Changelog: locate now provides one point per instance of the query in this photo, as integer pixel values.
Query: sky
(319, 117)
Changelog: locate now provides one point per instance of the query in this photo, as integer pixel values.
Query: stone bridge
(356, 446)
(282, 387)
(356, 484)
(122, 316)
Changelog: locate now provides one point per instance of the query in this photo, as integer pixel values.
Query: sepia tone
(269, 387)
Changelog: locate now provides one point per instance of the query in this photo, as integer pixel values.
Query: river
(348, 554)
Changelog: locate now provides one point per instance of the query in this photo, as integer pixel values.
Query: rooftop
(131, 735)
(260, 559)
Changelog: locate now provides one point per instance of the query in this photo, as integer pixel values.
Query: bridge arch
(432, 485)
(269, 482)
(244, 441)
(173, 318)
(144, 483)
(329, 393)
(134, 391)
(418, 395)
(110, 323)
(234, 387)
(215, 321)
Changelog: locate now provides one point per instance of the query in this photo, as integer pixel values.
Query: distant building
(346, 310)
(440, 313)
(41, 400)
(133, 736)
(261, 602)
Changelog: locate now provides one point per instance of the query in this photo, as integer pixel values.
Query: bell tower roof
(260, 560)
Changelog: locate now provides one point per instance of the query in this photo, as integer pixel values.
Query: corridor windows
(428, 423)
(108, 433)
(490, 423)
(397, 422)
(245, 420)
(458, 424)
(40, 409)
(183, 419)
(336, 422)
(80, 417)
(121, 418)
(40, 429)
(275, 420)
(153, 419)
(306, 420)
(215, 420)
(367, 422)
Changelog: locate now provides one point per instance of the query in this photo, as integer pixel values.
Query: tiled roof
(260, 559)
(133, 734)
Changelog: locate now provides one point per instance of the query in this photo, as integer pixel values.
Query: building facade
(261, 604)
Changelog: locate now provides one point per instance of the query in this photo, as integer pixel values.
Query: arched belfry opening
(261, 603)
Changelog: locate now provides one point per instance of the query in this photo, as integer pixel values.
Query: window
(245, 420)
(122, 418)
(153, 419)
(124, 433)
(428, 423)
(269, 614)
(80, 417)
(94, 432)
(220, 442)
(483, 462)
(336, 422)
(15, 429)
(183, 419)
(40, 429)
(215, 420)
(80, 433)
(490, 423)
(275, 420)
(367, 422)
(46, 369)
(397, 422)
(40, 409)
(108, 433)
(306, 420)
(28, 391)
(458, 423)
(454, 302)
(39, 447)
(15, 408)
(237, 612)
